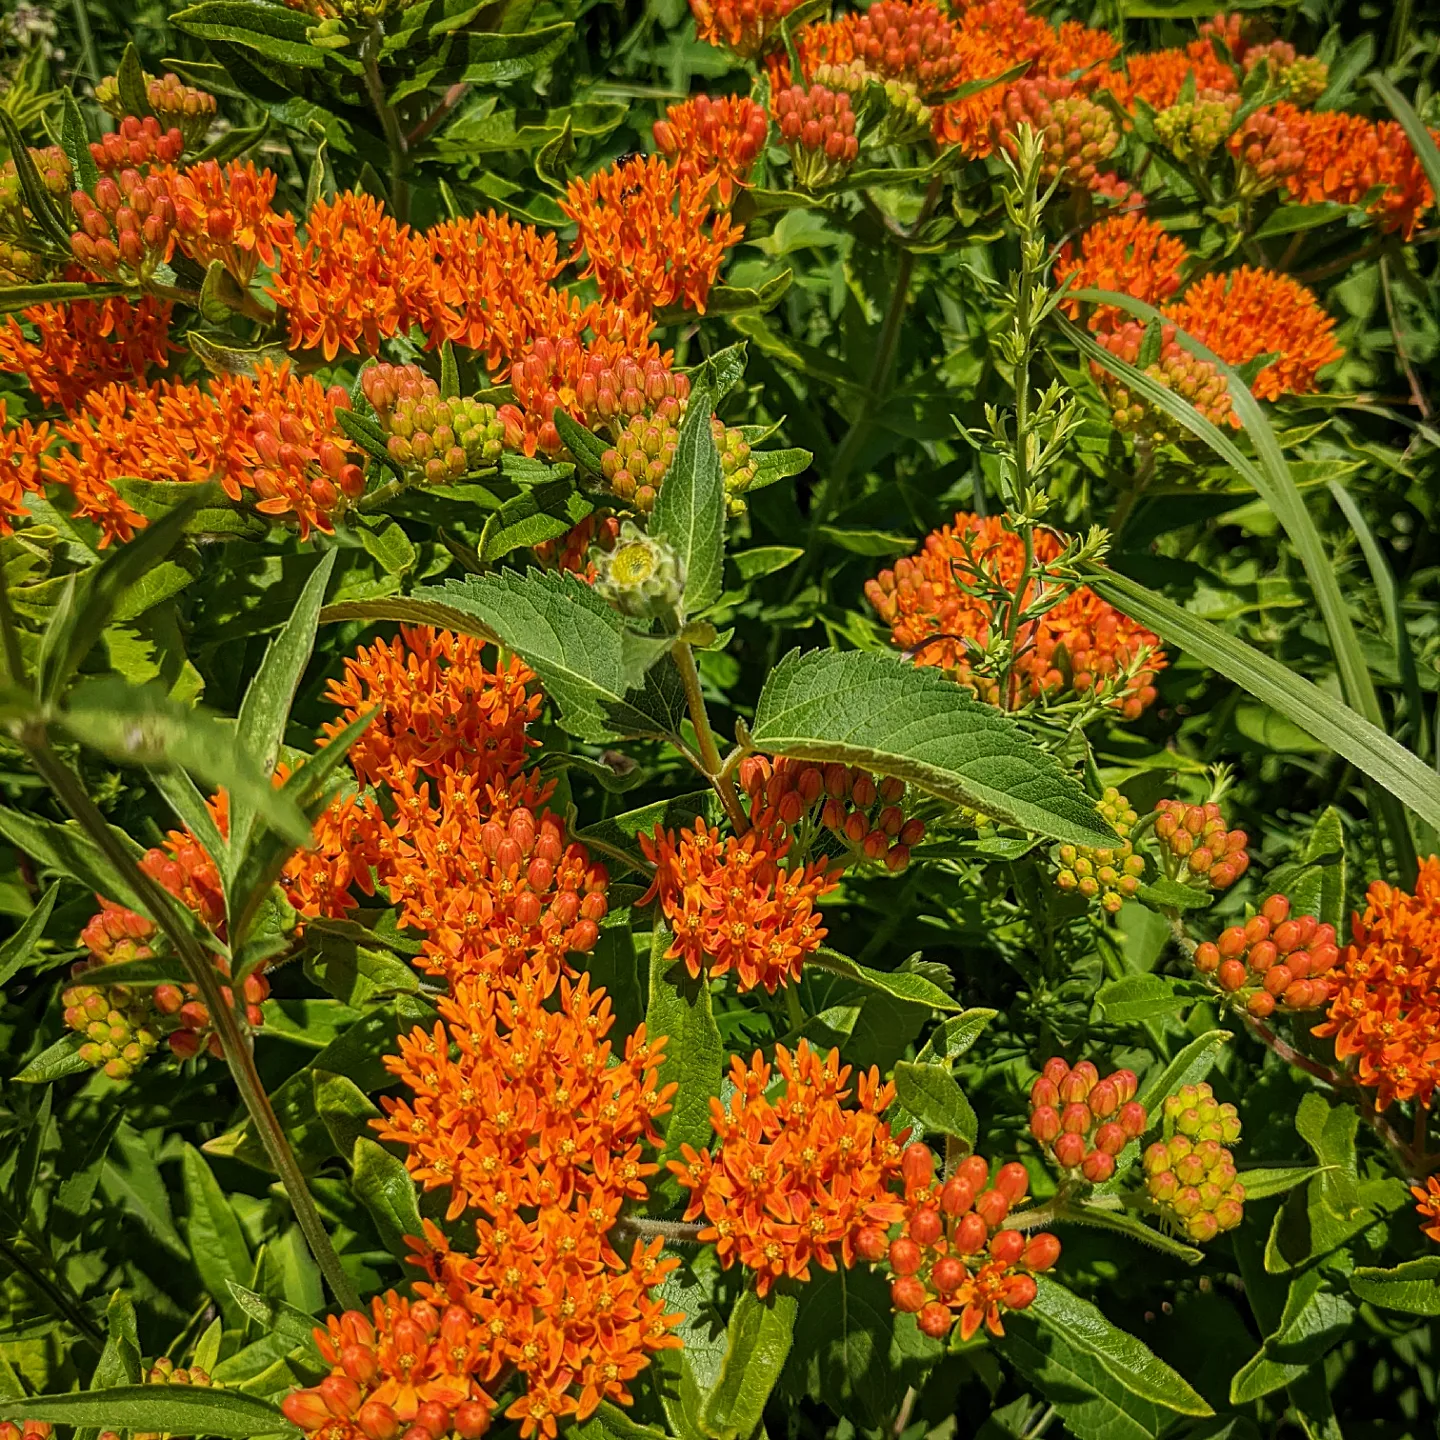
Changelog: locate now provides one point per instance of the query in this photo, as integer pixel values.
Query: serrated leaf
(1412, 1288)
(931, 1094)
(759, 1336)
(893, 718)
(181, 1409)
(689, 511)
(901, 984)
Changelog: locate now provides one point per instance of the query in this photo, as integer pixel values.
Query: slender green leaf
(181, 1409)
(383, 1185)
(216, 1240)
(902, 984)
(1414, 128)
(55, 1062)
(15, 952)
(277, 1316)
(269, 30)
(759, 1338)
(690, 508)
(1189, 1067)
(1262, 1183)
(885, 715)
(76, 143)
(1413, 1288)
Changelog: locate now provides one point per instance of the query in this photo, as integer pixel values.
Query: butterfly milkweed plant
(718, 720)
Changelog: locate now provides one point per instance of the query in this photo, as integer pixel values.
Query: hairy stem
(201, 969)
(711, 765)
(675, 1232)
(389, 124)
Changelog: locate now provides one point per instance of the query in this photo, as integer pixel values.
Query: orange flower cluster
(225, 213)
(798, 1175)
(1356, 161)
(272, 435)
(533, 1111)
(1128, 253)
(931, 604)
(643, 233)
(1158, 78)
(416, 1367)
(1386, 1011)
(86, 344)
(735, 904)
(1252, 312)
(1428, 1205)
(713, 142)
(952, 1260)
(21, 449)
(743, 26)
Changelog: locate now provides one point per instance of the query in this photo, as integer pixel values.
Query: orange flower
(797, 1174)
(225, 213)
(440, 708)
(1386, 1014)
(21, 449)
(1159, 77)
(1128, 253)
(1429, 1205)
(533, 1110)
(735, 905)
(360, 278)
(417, 1365)
(1355, 161)
(85, 345)
(1253, 312)
(743, 26)
(713, 142)
(642, 231)
(931, 604)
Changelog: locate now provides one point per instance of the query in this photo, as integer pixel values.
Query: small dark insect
(633, 188)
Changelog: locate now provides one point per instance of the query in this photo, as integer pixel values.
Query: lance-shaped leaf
(759, 1338)
(689, 512)
(931, 1095)
(277, 1316)
(180, 1409)
(1412, 1288)
(16, 950)
(893, 718)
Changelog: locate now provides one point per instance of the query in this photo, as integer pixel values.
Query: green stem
(57, 1294)
(792, 1009)
(87, 47)
(711, 765)
(202, 971)
(389, 123)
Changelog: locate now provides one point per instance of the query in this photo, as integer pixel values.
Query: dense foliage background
(878, 323)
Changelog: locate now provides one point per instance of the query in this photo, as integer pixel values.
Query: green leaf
(345, 1110)
(1189, 1067)
(1260, 1184)
(543, 512)
(37, 198)
(269, 30)
(1136, 999)
(142, 725)
(1413, 1288)
(588, 448)
(680, 1008)
(15, 952)
(277, 1316)
(75, 141)
(766, 560)
(55, 1062)
(868, 542)
(1121, 1222)
(689, 511)
(68, 851)
(385, 540)
(130, 80)
(1364, 745)
(595, 668)
(1315, 1319)
(898, 719)
(759, 1338)
(931, 1094)
(1288, 219)
(1163, 892)
(383, 1185)
(53, 292)
(772, 466)
(902, 984)
(182, 1409)
(216, 1240)
(610, 1422)
(119, 1362)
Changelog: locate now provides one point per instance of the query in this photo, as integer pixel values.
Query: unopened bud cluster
(1110, 874)
(1266, 154)
(192, 1015)
(1303, 76)
(135, 142)
(910, 42)
(1077, 133)
(644, 450)
(165, 1372)
(119, 1022)
(127, 228)
(641, 575)
(1196, 846)
(906, 117)
(26, 1430)
(1196, 129)
(1190, 1174)
(818, 127)
(291, 456)
(53, 166)
(950, 1258)
(866, 814)
(1273, 960)
(173, 101)
(1083, 1121)
(437, 440)
(1190, 377)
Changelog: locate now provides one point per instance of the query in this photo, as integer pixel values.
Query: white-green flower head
(641, 575)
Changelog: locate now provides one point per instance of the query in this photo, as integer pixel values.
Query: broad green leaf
(385, 541)
(76, 142)
(15, 952)
(720, 373)
(1364, 745)
(755, 564)
(543, 512)
(1138, 998)
(587, 447)
(687, 1374)
(119, 1362)
(868, 542)
(131, 1176)
(266, 707)
(689, 511)
(610, 1422)
(142, 725)
(1288, 219)
(1189, 1067)
(773, 466)
(680, 1008)
(759, 1338)
(207, 1347)
(931, 1094)
(216, 1240)
(69, 852)
(898, 719)
(1413, 1287)
(954, 1038)
(1315, 1319)
(599, 672)
(1315, 883)
(270, 31)
(345, 1110)
(902, 984)
(620, 831)
(55, 1062)
(278, 1316)
(383, 1185)
(1165, 893)
(181, 1409)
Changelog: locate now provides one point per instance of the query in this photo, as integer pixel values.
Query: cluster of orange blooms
(941, 605)
(1429, 1205)
(1385, 1012)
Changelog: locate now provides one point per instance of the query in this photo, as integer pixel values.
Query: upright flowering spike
(648, 234)
(1272, 960)
(1249, 313)
(936, 603)
(713, 142)
(1385, 1016)
(798, 1175)
(737, 903)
